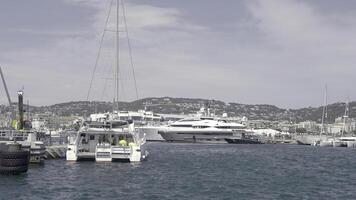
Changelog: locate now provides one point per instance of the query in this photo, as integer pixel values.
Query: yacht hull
(242, 141)
(197, 136)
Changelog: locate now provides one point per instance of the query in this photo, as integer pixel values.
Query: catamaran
(105, 136)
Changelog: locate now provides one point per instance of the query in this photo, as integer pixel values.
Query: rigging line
(110, 71)
(99, 51)
(129, 46)
(123, 93)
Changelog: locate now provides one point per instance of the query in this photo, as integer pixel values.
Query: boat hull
(242, 141)
(196, 137)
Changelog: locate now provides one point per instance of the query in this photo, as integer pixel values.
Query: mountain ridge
(171, 105)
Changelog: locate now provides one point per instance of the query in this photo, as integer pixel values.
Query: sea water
(197, 171)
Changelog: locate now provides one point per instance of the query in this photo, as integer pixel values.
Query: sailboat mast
(346, 115)
(324, 110)
(117, 69)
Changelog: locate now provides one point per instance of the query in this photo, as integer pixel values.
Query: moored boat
(200, 130)
(243, 138)
(107, 140)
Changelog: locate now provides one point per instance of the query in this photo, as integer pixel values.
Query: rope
(129, 46)
(99, 51)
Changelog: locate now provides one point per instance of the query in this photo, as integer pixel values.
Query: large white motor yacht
(105, 138)
(200, 130)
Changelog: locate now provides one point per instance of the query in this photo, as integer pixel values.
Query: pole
(28, 110)
(5, 86)
(324, 110)
(117, 55)
(345, 117)
(20, 107)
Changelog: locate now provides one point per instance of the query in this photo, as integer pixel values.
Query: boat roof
(102, 132)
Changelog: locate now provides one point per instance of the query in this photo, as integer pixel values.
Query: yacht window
(201, 126)
(181, 125)
(224, 127)
(136, 118)
(206, 118)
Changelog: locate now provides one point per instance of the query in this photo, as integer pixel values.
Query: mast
(116, 65)
(117, 70)
(324, 110)
(346, 115)
(28, 110)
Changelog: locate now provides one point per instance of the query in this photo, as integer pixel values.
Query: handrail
(14, 134)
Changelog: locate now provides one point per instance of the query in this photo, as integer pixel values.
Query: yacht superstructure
(140, 117)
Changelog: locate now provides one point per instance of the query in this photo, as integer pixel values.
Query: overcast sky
(279, 52)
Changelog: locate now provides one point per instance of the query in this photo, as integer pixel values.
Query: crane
(5, 86)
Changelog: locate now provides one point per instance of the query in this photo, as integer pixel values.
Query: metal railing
(14, 135)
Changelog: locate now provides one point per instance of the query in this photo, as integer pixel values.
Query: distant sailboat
(345, 117)
(320, 141)
(338, 142)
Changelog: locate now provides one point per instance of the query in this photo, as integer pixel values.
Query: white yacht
(140, 117)
(151, 133)
(200, 130)
(104, 138)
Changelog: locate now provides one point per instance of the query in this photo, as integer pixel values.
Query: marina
(118, 99)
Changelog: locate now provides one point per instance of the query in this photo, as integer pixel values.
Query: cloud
(67, 58)
(51, 33)
(302, 47)
(279, 52)
(298, 24)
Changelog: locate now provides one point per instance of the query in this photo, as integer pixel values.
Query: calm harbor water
(188, 171)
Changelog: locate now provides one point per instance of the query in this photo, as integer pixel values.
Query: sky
(279, 52)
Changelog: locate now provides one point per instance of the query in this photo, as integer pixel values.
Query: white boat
(200, 130)
(327, 143)
(348, 142)
(337, 141)
(320, 142)
(107, 139)
(140, 117)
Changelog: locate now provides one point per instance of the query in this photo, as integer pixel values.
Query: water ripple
(188, 171)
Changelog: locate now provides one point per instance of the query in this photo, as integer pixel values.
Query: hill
(168, 105)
